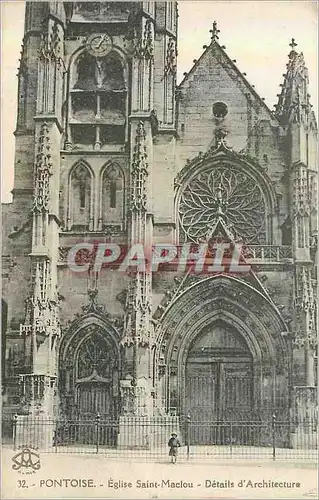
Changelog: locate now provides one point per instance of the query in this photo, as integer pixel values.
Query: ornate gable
(216, 56)
(221, 190)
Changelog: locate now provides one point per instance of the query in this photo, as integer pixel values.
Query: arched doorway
(89, 369)
(221, 354)
(95, 377)
(89, 374)
(219, 375)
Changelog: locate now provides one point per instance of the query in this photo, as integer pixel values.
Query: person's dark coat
(173, 444)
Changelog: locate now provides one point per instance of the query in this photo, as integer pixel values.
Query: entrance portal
(94, 378)
(89, 385)
(222, 356)
(219, 381)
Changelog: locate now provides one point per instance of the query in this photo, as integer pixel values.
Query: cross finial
(293, 44)
(293, 54)
(214, 32)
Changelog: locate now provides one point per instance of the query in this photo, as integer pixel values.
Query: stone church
(110, 148)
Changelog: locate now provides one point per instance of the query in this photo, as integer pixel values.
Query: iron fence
(147, 438)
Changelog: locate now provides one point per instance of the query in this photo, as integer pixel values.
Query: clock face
(99, 44)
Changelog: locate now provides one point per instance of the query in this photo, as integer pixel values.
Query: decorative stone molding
(137, 328)
(89, 352)
(227, 293)
(51, 47)
(43, 171)
(210, 301)
(305, 308)
(223, 154)
(171, 57)
(98, 310)
(42, 309)
(301, 194)
(33, 390)
(143, 41)
(238, 77)
(41, 320)
(139, 171)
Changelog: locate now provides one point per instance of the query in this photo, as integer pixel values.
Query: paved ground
(109, 478)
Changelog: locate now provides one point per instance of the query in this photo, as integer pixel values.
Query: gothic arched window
(112, 196)
(98, 102)
(80, 198)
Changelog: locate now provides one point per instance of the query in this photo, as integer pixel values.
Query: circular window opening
(220, 110)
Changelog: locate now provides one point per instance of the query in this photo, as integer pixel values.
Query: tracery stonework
(43, 171)
(94, 356)
(227, 192)
(110, 150)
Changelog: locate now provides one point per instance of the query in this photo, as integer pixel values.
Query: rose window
(227, 194)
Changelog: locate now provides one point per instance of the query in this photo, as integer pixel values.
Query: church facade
(110, 149)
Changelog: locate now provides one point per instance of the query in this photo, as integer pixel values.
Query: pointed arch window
(112, 196)
(80, 198)
(97, 102)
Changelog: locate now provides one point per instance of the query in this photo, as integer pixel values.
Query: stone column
(304, 418)
(41, 325)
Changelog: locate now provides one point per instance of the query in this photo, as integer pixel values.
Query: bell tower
(38, 133)
(96, 111)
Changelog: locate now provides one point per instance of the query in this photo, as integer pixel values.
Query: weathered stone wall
(73, 291)
(249, 127)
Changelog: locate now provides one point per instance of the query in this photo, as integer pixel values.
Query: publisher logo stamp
(27, 460)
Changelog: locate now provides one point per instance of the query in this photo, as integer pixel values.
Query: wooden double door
(219, 390)
(95, 398)
(219, 386)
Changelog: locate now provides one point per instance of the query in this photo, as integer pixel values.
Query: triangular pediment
(215, 62)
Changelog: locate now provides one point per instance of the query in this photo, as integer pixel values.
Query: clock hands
(102, 40)
(99, 44)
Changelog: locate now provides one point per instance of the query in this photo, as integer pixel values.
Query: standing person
(173, 444)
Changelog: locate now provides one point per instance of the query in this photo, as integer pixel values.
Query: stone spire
(293, 101)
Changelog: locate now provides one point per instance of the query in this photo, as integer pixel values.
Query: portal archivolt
(222, 327)
(89, 370)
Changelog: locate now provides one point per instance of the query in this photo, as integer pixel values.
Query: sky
(256, 33)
